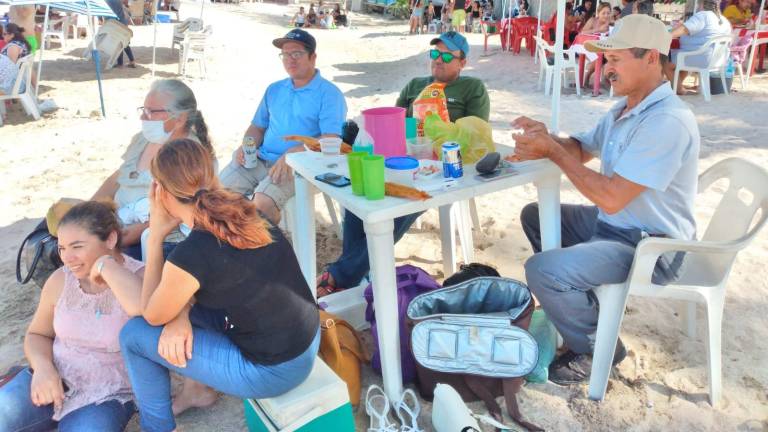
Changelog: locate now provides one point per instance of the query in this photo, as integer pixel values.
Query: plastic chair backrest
(720, 51)
(733, 219)
(747, 193)
(543, 47)
(24, 75)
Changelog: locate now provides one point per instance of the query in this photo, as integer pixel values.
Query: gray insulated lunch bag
(473, 336)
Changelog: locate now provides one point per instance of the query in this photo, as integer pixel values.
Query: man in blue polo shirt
(648, 146)
(306, 104)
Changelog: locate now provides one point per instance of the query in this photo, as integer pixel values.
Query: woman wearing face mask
(169, 112)
(76, 379)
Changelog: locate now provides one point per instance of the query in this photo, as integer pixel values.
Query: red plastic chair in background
(550, 25)
(524, 29)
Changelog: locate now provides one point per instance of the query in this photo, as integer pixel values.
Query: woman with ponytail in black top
(229, 309)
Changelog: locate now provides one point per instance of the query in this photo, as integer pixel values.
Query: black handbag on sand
(40, 253)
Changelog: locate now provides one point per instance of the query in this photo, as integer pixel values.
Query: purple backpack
(411, 281)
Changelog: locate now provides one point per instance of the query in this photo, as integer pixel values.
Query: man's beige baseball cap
(634, 31)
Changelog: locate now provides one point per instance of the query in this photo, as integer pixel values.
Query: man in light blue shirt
(305, 104)
(648, 145)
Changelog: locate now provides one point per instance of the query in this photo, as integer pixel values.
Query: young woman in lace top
(76, 380)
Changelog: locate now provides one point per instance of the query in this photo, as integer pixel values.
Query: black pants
(128, 52)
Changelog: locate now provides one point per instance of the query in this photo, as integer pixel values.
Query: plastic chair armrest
(650, 249)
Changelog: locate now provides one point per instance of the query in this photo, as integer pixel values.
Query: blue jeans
(216, 362)
(19, 414)
(353, 263)
(594, 253)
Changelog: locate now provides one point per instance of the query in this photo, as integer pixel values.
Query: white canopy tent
(90, 8)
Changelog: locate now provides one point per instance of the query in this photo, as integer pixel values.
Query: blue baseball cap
(454, 41)
(298, 36)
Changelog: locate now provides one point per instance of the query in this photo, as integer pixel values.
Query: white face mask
(154, 131)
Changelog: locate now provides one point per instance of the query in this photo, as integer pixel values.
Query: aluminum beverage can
(250, 152)
(452, 166)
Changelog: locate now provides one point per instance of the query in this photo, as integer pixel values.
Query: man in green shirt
(465, 96)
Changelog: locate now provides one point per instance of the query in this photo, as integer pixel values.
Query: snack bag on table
(431, 101)
(473, 134)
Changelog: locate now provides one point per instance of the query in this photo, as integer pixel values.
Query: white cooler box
(319, 404)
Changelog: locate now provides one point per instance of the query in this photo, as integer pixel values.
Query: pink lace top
(86, 349)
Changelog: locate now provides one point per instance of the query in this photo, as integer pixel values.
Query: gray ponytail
(183, 100)
(712, 6)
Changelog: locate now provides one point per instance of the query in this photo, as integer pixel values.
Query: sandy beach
(662, 385)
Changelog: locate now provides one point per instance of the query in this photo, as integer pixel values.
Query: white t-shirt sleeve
(696, 23)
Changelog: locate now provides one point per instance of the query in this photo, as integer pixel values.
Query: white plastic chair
(60, 34)
(180, 30)
(719, 49)
(193, 47)
(25, 95)
(545, 69)
(111, 40)
(709, 263)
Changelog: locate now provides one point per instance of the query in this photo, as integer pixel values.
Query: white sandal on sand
(377, 408)
(405, 412)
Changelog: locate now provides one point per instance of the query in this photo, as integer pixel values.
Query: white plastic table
(378, 216)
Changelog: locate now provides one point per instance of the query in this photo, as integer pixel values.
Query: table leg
(447, 240)
(381, 252)
(465, 231)
(549, 211)
(304, 225)
(597, 76)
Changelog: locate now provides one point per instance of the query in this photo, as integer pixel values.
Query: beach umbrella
(90, 8)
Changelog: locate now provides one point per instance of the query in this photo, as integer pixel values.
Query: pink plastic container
(386, 126)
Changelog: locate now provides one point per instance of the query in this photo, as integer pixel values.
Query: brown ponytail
(185, 169)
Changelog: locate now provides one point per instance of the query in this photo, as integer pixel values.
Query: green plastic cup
(355, 163)
(373, 176)
(410, 127)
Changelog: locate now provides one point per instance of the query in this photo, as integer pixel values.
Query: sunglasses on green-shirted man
(446, 56)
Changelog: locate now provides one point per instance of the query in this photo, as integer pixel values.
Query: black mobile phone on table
(333, 179)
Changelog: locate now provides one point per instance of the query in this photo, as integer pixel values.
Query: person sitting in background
(299, 19)
(584, 10)
(464, 97)
(169, 112)
(643, 7)
(739, 13)
(76, 379)
(599, 23)
(701, 27)
(339, 17)
(473, 14)
(229, 309)
(616, 14)
(627, 7)
(311, 17)
(2, 39)
(318, 110)
(16, 47)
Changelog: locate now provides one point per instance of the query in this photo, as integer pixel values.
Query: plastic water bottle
(730, 69)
